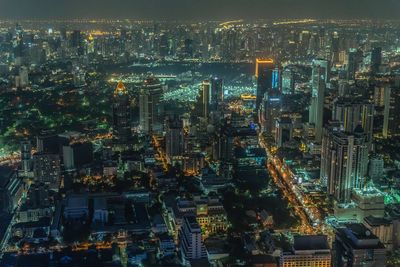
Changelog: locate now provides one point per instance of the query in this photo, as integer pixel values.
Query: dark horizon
(198, 10)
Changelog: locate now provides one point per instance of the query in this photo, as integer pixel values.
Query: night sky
(199, 9)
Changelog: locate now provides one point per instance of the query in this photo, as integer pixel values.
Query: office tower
(344, 161)
(356, 246)
(335, 47)
(76, 38)
(90, 44)
(205, 98)
(287, 82)
(270, 112)
(352, 63)
(375, 168)
(11, 189)
(391, 112)
(47, 169)
(354, 111)
(318, 84)
(264, 72)
(26, 157)
(150, 106)
(121, 118)
(174, 137)
(191, 244)
(284, 131)
(376, 59)
(217, 94)
(307, 250)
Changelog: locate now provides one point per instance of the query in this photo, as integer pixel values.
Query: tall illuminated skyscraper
(318, 84)
(344, 161)
(391, 112)
(264, 74)
(205, 101)
(174, 137)
(150, 106)
(352, 58)
(121, 117)
(287, 81)
(217, 93)
(376, 59)
(352, 112)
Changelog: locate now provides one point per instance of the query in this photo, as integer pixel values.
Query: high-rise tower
(318, 84)
(121, 117)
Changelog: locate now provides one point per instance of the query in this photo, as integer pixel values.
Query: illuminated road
(282, 180)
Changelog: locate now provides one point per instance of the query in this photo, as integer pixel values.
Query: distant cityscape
(259, 143)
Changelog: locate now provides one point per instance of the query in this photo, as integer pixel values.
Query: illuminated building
(375, 168)
(352, 63)
(318, 84)
(308, 250)
(376, 59)
(208, 211)
(344, 160)
(26, 157)
(217, 94)
(391, 112)
(205, 93)
(381, 228)
(90, 44)
(76, 38)
(270, 112)
(335, 47)
(351, 112)
(191, 243)
(284, 131)
(287, 82)
(121, 118)
(11, 189)
(150, 106)
(47, 169)
(264, 74)
(174, 138)
(356, 246)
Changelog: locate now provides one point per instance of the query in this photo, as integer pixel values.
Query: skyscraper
(376, 59)
(270, 111)
(354, 111)
(26, 157)
(191, 244)
(264, 73)
(174, 137)
(352, 58)
(150, 106)
(344, 161)
(287, 81)
(318, 84)
(121, 118)
(391, 112)
(356, 246)
(217, 94)
(205, 101)
(284, 131)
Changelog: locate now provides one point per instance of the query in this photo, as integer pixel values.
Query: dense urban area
(218, 143)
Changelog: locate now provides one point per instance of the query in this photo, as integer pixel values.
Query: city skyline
(198, 10)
